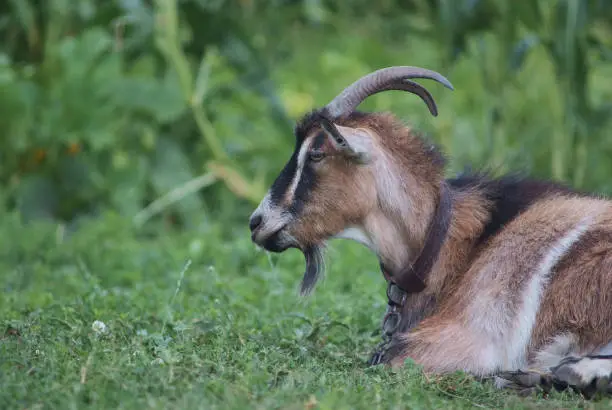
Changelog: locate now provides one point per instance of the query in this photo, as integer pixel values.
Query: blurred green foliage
(114, 105)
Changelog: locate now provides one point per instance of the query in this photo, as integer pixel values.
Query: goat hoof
(566, 372)
(587, 375)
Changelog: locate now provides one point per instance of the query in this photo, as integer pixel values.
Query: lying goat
(506, 278)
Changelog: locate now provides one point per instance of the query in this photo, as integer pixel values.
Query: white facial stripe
(275, 216)
(300, 167)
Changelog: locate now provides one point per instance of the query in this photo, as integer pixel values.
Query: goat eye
(316, 155)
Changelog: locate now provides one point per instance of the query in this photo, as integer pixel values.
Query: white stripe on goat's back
(532, 293)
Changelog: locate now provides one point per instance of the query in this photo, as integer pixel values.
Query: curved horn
(386, 79)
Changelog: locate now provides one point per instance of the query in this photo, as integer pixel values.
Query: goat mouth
(279, 241)
(275, 242)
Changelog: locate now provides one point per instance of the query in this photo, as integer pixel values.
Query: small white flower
(157, 361)
(142, 332)
(99, 327)
(195, 247)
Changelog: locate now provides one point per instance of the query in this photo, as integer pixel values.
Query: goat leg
(587, 375)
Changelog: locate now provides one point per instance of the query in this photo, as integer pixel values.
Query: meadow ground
(202, 320)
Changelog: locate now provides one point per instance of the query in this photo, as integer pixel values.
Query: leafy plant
(184, 110)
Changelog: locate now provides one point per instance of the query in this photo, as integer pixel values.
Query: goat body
(521, 288)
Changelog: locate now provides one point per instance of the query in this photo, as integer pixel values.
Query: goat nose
(255, 221)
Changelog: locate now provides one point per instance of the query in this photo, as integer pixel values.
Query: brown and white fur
(522, 284)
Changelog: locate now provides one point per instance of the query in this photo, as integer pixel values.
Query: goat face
(332, 182)
(325, 186)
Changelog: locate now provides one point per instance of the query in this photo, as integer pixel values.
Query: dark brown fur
(577, 277)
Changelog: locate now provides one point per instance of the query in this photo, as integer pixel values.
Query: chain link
(396, 298)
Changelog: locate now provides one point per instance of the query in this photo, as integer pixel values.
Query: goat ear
(355, 143)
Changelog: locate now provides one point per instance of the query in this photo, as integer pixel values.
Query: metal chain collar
(396, 298)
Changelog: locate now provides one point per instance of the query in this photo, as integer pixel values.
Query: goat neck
(412, 278)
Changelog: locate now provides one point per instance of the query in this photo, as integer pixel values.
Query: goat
(506, 278)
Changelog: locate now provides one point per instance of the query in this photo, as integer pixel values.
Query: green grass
(201, 319)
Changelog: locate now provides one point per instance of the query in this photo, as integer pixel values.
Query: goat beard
(315, 267)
